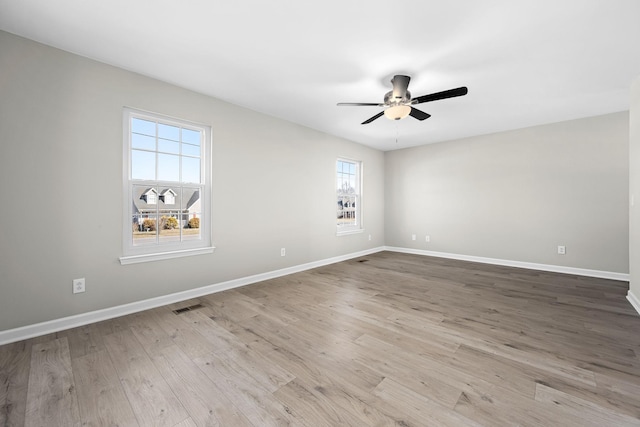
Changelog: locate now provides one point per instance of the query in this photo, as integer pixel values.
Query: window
(348, 191)
(149, 196)
(167, 178)
(168, 197)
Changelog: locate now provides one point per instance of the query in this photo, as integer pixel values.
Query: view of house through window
(348, 195)
(163, 214)
(166, 183)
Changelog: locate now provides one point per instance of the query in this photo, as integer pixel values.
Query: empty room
(253, 213)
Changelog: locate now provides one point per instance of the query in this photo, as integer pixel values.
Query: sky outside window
(164, 152)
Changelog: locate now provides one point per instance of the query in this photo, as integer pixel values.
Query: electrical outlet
(427, 239)
(369, 237)
(562, 250)
(283, 252)
(78, 285)
(413, 237)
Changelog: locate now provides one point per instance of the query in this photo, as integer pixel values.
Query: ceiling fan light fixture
(397, 112)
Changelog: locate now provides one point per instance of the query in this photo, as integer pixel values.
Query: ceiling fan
(399, 104)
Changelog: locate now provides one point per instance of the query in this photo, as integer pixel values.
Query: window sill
(352, 231)
(159, 256)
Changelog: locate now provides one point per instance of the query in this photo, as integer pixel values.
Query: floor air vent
(191, 307)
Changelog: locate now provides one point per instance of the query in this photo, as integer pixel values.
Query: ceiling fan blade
(372, 118)
(451, 93)
(400, 84)
(417, 114)
(358, 104)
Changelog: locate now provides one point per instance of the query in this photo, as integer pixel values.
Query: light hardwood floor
(387, 339)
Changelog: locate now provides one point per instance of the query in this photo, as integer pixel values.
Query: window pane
(169, 228)
(168, 167)
(191, 150)
(143, 165)
(352, 168)
(144, 127)
(144, 214)
(192, 230)
(143, 141)
(190, 169)
(168, 132)
(191, 214)
(146, 230)
(347, 211)
(191, 136)
(167, 146)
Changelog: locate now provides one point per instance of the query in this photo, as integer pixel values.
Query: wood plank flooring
(385, 340)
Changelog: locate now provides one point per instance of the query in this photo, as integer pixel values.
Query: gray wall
(61, 187)
(634, 189)
(517, 195)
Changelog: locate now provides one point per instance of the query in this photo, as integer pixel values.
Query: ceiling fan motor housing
(389, 99)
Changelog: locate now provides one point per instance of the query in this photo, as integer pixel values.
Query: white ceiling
(525, 62)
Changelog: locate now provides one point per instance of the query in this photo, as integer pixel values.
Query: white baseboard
(520, 264)
(38, 329)
(635, 302)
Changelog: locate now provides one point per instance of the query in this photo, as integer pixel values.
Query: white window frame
(358, 227)
(165, 250)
